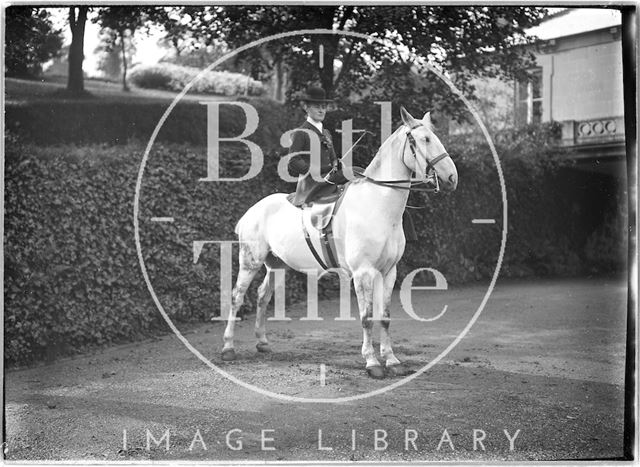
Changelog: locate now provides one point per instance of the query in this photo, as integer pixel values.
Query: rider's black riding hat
(314, 95)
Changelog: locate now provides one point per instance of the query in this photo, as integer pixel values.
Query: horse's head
(424, 153)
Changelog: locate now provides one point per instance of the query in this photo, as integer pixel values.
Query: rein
(413, 185)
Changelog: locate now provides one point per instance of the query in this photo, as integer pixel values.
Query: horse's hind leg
(250, 261)
(365, 286)
(265, 292)
(393, 365)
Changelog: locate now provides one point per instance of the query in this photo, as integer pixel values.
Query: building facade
(578, 83)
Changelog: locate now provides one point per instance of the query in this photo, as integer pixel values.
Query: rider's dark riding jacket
(299, 165)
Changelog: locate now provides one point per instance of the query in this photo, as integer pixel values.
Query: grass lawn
(52, 88)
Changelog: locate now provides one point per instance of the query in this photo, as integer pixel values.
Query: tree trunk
(331, 45)
(75, 80)
(330, 49)
(327, 70)
(125, 87)
(278, 91)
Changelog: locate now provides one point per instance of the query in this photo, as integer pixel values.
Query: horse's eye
(427, 140)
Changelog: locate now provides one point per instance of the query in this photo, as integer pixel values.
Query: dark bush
(150, 78)
(606, 248)
(176, 77)
(30, 40)
(72, 276)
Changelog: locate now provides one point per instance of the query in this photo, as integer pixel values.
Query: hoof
(398, 370)
(228, 355)
(376, 372)
(263, 347)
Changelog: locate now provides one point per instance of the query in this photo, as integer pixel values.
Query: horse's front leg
(393, 365)
(365, 286)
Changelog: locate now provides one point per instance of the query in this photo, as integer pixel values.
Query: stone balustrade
(592, 131)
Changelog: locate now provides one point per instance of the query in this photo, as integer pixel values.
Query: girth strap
(327, 234)
(307, 238)
(327, 241)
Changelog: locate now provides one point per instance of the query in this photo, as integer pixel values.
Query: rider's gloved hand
(328, 177)
(336, 177)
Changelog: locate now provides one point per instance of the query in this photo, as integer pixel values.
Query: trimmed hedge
(175, 77)
(98, 121)
(72, 277)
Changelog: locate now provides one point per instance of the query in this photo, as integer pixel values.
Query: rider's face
(316, 111)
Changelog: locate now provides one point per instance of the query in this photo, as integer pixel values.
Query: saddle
(317, 216)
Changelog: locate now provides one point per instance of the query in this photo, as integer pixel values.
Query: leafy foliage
(199, 57)
(464, 41)
(72, 277)
(120, 23)
(110, 59)
(30, 40)
(607, 247)
(175, 78)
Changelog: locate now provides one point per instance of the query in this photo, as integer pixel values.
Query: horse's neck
(388, 165)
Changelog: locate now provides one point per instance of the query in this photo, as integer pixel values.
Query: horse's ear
(426, 120)
(407, 118)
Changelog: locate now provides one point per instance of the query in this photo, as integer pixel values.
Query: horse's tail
(247, 227)
(252, 233)
(241, 225)
(237, 228)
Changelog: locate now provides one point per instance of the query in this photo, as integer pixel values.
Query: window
(529, 99)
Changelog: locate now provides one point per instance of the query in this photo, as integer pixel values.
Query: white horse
(369, 242)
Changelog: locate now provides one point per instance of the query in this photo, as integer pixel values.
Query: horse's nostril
(452, 178)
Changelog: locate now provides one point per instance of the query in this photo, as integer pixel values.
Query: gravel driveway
(539, 376)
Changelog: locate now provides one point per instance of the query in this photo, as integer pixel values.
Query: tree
(109, 58)
(464, 42)
(77, 21)
(30, 41)
(182, 32)
(121, 23)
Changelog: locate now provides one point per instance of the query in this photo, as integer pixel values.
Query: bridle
(430, 172)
